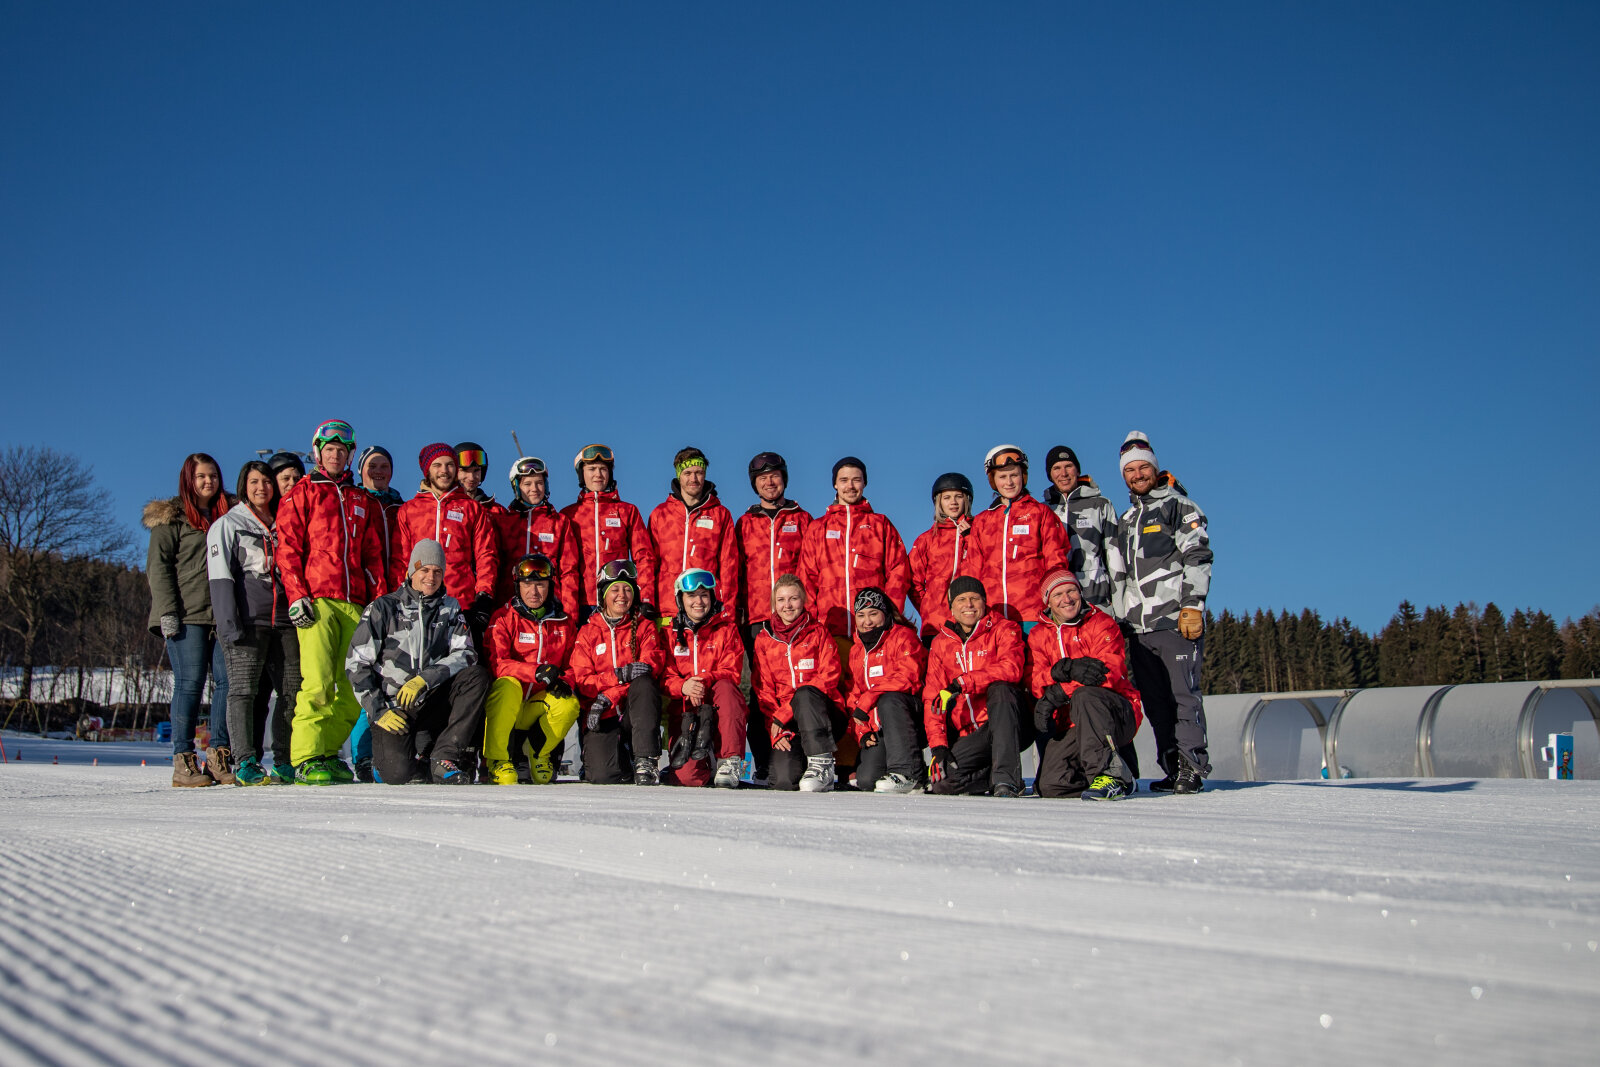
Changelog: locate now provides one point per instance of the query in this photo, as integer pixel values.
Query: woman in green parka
(180, 611)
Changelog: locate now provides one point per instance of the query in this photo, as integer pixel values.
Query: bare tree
(51, 512)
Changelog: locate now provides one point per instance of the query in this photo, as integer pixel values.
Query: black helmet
(281, 460)
(946, 482)
(768, 461)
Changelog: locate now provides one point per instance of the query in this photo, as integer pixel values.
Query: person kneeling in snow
(616, 664)
(413, 667)
(886, 664)
(529, 644)
(707, 714)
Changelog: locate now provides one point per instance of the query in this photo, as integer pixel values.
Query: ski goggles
(619, 570)
(535, 568)
(1129, 446)
(690, 581)
(596, 454)
(335, 430)
(528, 465)
(472, 457)
(1009, 458)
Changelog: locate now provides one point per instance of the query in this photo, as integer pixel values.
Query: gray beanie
(426, 553)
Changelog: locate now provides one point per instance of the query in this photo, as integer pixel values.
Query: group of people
(449, 638)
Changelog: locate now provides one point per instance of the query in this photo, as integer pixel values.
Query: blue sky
(1342, 264)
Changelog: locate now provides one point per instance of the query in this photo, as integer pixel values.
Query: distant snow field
(1367, 922)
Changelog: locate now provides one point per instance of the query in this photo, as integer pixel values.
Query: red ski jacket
(713, 653)
(329, 544)
(1013, 548)
(1093, 634)
(848, 548)
(893, 665)
(525, 531)
(993, 652)
(609, 529)
(390, 524)
(463, 527)
(808, 656)
(518, 646)
(601, 648)
(769, 545)
(702, 537)
(937, 557)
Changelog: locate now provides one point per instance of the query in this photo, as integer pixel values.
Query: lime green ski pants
(326, 709)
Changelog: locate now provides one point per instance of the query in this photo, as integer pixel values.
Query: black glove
(584, 613)
(601, 705)
(648, 610)
(1061, 670)
(1086, 670)
(628, 672)
(549, 676)
(478, 614)
(943, 764)
(1044, 712)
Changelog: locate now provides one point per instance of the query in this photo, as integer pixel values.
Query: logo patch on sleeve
(1191, 517)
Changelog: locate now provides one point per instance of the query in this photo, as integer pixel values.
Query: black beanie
(964, 584)
(1059, 453)
(850, 461)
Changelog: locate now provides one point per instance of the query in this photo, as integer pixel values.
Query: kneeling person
(1087, 708)
(797, 681)
(707, 714)
(616, 664)
(973, 692)
(529, 644)
(886, 660)
(414, 670)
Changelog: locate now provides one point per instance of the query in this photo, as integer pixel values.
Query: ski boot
(646, 770)
(819, 776)
(727, 776)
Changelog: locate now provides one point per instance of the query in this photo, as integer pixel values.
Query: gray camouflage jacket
(403, 634)
(1091, 523)
(1160, 560)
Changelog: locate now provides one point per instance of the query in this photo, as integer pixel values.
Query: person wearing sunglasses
(940, 552)
(706, 714)
(1160, 565)
(886, 667)
(692, 530)
(616, 665)
(442, 511)
(1090, 520)
(330, 556)
(849, 548)
(532, 703)
(532, 526)
(1016, 541)
(608, 529)
(473, 461)
(799, 683)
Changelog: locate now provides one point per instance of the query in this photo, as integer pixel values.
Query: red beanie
(432, 452)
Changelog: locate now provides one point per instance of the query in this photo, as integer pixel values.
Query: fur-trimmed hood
(168, 511)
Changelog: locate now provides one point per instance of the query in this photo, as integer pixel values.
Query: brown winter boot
(186, 774)
(219, 765)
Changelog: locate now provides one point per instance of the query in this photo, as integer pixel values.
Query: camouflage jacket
(1160, 560)
(1091, 523)
(403, 634)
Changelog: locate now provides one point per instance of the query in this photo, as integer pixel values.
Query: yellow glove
(1191, 623)
(390, 721)
(411, 692)
(946, 697)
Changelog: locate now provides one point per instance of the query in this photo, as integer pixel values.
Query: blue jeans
(194, 651)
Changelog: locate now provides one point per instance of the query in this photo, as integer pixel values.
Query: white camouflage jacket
(1160, 560)
(1091, 523)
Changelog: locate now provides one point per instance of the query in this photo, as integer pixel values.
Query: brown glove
(1191, 623)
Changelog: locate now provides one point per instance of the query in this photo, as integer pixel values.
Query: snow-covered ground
(1369, 922)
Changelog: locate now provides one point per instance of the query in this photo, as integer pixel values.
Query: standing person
(413, 667)
(532, 526)
(473, 461)
(707, 714)
(617, 665)
(374, 470)
(259, 645)
(180, 612)
(1090, 520)
(691, 530)
(849, 548)
(608, 528)
(442, 511)
(886, 666)
(770, 534)
(799, 679)
(1016, 541)
(1087, 710)
(973, 691)
(532, 699)
(330, 557)
(287, 469)
(940, 551)
(1160, 567)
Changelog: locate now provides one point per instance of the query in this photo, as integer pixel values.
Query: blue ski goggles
(689, 581)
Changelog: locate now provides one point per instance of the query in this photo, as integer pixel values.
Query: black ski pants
(1075, 756)
(898, 748)
(449, 723)
(992, 753)
(818, 725)
(264, 659)
(759, 739)
(606, 759)
(1166, 668)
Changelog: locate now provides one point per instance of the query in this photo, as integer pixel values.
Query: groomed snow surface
(1370, 922)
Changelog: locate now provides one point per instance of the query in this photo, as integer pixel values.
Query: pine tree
(1492, 640)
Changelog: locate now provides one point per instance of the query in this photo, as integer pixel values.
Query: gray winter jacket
(245, 589)
(403, 634)
(1091, 522)
(1160, 560)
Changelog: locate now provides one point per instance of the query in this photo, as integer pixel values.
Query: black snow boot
(705, 734)
(686, 743)
(1188, 779)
